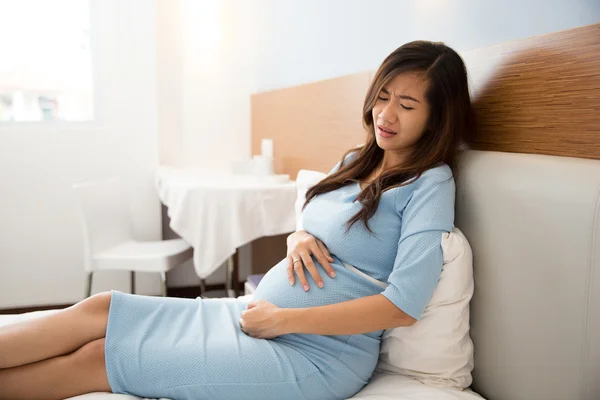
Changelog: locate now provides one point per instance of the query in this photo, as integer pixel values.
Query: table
(217, 212)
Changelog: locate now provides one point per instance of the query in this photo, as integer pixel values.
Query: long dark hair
(450, 120)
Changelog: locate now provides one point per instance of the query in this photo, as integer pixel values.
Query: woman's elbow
(402, 319)
(397, 317)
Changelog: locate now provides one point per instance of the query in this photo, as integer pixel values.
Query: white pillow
(437, 350)
(304, 181)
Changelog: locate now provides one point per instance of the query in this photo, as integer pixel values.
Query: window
(45, 60)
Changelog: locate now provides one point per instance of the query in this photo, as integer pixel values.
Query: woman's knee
(88, 368)
(91, 354)
(98, 303)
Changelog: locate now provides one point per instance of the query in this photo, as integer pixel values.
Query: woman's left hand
(262, 320)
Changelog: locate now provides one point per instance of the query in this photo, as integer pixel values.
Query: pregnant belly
(347, 285)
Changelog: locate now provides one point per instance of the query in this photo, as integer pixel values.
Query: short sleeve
(418, 264)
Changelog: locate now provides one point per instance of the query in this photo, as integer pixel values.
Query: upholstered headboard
(533, 221)
(528, 200)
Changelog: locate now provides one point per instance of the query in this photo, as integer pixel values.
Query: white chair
(108, 239)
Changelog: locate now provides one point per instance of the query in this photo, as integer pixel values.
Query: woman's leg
(61, 377)
(56, 334)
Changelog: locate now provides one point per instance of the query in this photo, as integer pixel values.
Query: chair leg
(132, 282)
(229, 278)
(202, 288)
(163, 284)
(88, 285)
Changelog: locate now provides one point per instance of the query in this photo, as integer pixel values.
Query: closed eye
(401, 105)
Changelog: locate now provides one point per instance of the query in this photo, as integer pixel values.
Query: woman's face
(401, 112)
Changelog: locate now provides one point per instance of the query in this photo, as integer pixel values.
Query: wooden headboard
(535, 95)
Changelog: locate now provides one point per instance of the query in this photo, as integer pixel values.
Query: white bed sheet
(381, 386)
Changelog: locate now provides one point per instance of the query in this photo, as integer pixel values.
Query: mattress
(380, 387)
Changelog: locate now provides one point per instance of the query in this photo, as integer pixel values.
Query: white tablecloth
(216, 213)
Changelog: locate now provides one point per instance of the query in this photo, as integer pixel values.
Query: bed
(528, 200)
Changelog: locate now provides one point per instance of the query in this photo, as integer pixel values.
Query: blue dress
(194, 348)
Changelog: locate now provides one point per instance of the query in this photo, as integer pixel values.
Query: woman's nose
(388, 114)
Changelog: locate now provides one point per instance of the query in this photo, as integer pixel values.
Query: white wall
(269, 44)
(40, 239)
(308, 40)
(218, 72)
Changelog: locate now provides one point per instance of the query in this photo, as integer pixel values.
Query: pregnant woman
(369, 260)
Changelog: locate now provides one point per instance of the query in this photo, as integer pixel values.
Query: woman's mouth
(385, 132)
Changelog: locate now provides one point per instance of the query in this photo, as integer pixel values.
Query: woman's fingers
(290, 269)
(299, 269)
(300, 257)
(322, 254)
(312, 268)
(325, 250)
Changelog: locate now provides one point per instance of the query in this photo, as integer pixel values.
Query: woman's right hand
(300, 246)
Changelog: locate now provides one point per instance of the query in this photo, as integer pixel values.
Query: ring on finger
(295, 260)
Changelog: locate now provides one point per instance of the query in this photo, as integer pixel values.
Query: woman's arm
(366, 314)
